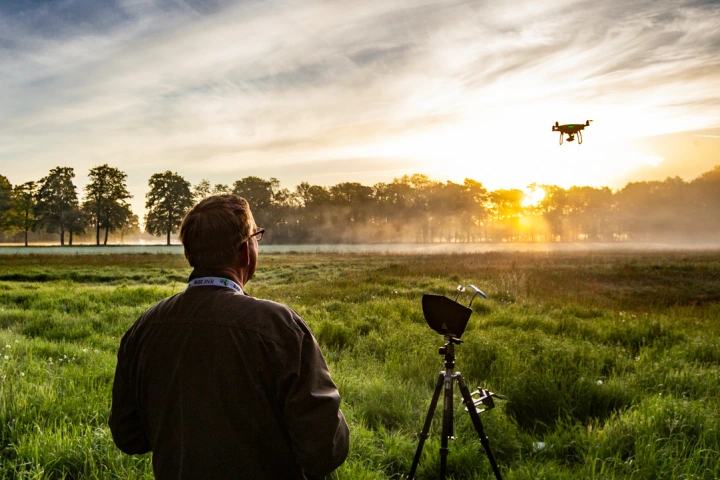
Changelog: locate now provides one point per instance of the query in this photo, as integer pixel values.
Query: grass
(610, 361)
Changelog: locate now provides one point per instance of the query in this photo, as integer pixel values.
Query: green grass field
(610, 362)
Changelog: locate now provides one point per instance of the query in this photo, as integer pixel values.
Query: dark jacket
(221, 385)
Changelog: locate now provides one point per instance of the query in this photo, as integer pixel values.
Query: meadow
(610, 361)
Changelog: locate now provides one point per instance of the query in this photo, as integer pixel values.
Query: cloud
(233, 86)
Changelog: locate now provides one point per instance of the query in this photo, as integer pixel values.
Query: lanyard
(215, 282)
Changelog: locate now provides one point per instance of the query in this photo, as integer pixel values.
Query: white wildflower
(537, 446)
(7, 346)
(599, 382)
(96, 351)
(6, 357)
(22, 374)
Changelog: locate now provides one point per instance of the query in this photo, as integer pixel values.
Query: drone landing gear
(561, 138)
(579, 137)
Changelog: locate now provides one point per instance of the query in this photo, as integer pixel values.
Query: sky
(328, 91)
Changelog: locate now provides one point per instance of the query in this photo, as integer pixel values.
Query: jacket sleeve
(125, 421)
(317, 428)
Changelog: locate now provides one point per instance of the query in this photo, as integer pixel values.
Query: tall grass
(610, 361)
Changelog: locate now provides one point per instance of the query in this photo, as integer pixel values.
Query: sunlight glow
(533, 196)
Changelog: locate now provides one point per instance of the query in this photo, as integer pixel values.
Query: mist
(417, 214)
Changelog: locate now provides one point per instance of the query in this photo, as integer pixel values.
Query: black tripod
(445, 381)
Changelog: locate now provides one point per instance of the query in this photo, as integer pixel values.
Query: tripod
(445, 383)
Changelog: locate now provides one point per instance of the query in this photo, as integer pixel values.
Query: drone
(570, 130)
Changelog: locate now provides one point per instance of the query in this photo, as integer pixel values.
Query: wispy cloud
(230, 88)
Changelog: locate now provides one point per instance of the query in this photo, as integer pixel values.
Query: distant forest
(410, 209)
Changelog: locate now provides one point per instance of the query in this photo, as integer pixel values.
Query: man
(221, 385)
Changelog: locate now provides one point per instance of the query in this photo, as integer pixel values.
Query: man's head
(216, 231)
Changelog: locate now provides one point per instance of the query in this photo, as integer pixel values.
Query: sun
(533, 196)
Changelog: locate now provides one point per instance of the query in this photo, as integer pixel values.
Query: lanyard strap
(215, 282)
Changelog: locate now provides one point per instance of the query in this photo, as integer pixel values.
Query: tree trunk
(70, 242)
(97, 231)
(169, 217)
(62, 237)
(26, 235)
(107, 229)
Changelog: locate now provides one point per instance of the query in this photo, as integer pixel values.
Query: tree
(394, 212)
(507, 207)
(589, 212)
(105, 200)
(6, 202)
(259, 194)
(118, 216)
(314, 201)
(554, 208)
(705, 213)
(131, 227)
(77, 222)
(56, 202)
(167, 202)
(283, 213)
(221, 189)
(202, 190)
(650, 210)
(24, 208)
(352, 205)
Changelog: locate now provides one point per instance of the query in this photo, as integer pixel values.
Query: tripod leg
(426, 427)
(468, 401)
(447, 424)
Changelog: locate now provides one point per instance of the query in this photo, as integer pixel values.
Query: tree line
(410, 209)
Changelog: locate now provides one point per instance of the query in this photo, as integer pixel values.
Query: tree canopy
(167, 202)
(105, 200)
(23, 215)
(409, 209)
(57, 202)
(5, 202)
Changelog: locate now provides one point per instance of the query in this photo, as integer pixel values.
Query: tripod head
(448, 351)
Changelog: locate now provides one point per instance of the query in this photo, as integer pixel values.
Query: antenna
(477, 292)
(460, 290)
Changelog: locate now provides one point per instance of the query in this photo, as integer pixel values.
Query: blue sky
(331, 91)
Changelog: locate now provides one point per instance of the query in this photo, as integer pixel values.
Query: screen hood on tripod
(445, 316)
